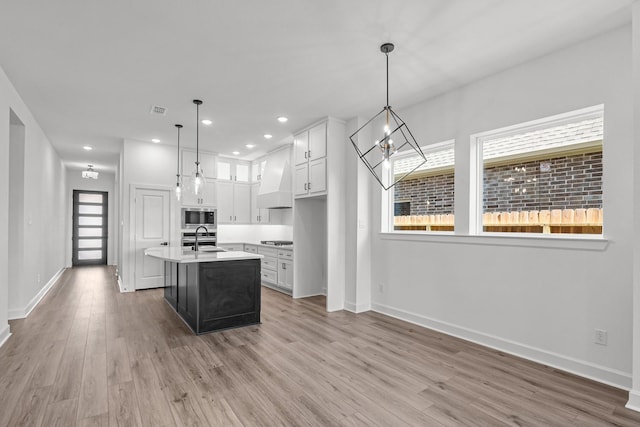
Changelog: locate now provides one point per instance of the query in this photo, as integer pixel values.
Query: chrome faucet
(195, 246)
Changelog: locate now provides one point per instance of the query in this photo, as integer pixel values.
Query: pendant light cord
(178, 174)
(197, 136)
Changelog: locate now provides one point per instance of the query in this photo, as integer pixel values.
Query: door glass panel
(89, 198)
(89, 243)
(89, 220)
(90, 209)
(90, 232)
(82, 255)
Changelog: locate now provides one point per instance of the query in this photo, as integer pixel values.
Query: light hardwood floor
(88, 355)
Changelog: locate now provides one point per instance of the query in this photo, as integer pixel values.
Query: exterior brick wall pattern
(562, 182)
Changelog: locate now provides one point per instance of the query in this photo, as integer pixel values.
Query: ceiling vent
(157, 110)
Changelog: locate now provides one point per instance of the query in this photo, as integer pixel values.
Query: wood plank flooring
(90, 356)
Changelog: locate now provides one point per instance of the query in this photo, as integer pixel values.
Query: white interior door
(151, 229)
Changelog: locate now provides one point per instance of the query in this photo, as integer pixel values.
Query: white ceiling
(90, 70)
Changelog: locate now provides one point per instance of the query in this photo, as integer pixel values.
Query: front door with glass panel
(89, 227)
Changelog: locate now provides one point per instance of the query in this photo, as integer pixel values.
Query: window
(423, 201)
(543, 177)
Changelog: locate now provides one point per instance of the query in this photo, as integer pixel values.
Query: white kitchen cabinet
(207, 199)
(232, 247)
(207, 163)
(257, 169)
(285, 274)
(311, 178)
(233, 170)
(234, 203)
(251, 248)
(258, 216)
(311, 162)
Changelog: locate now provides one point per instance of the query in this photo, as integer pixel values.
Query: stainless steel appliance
(204, 239)
(195, 217)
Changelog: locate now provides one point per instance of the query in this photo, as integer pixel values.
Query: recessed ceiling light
(235, 153)
(268, 136)
(156, 140)
(282, 119)
(87, 147)
(207, 122)
(250, 145)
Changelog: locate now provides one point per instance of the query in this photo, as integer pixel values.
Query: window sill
(590, 243)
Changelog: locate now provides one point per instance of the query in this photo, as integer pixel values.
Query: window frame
(476, 208)
(388, 197)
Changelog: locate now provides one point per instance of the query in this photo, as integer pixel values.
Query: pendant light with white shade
(178, 178)
(197, 177)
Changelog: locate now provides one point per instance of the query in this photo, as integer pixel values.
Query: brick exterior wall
(567, 182)
(431, 195)
(571, 182)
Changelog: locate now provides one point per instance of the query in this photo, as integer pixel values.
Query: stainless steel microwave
(195, 217)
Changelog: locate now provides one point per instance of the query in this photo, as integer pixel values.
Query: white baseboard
(356, 308)
(308, 295)
(121, 286)
(582, 368)
(5, 334)
(21, 313)
(634, 401)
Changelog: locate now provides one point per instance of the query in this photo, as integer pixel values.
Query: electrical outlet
(600, 337)
(381, 288)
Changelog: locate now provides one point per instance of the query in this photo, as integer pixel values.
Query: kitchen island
(211, 290)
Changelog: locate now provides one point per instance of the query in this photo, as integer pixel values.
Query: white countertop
(180, 255)
(288, 247)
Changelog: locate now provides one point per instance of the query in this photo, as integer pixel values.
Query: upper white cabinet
(234, 202)
(311, 161)
(233, 170)
(258, 216)
(206, 199)
(207, 163)
(257, 169)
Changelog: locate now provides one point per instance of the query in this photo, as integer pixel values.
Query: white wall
(143, 164)
(634, 395)
(543, 303)
(105, 182)
(43, 206)
(253, 233)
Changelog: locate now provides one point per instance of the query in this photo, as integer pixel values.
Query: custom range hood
(275, 185)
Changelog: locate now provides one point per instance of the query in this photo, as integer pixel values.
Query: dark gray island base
(212, 296)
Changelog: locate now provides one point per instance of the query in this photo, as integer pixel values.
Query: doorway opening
(90, 227)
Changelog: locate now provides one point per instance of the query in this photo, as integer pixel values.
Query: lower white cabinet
(285, 274)
(233, 247)
(277, 268)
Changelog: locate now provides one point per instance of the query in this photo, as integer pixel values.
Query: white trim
(310, 295)
(634, 401)
(356, 308)
(542, 123)
(17, 313)
(5, 334)
(577, 242)
(133, 187)
(582, 368)
(122, 288)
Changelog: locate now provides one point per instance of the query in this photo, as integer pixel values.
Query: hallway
(89, 355)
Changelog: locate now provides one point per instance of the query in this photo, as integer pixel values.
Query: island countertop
(180, 255)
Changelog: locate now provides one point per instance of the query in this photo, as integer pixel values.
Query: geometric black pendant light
(395, 137)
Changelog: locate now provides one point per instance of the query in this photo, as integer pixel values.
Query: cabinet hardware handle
(309, 186)
(305, 186)
(309, 153)
(234, 217)
(305, 154)
(230, 218)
